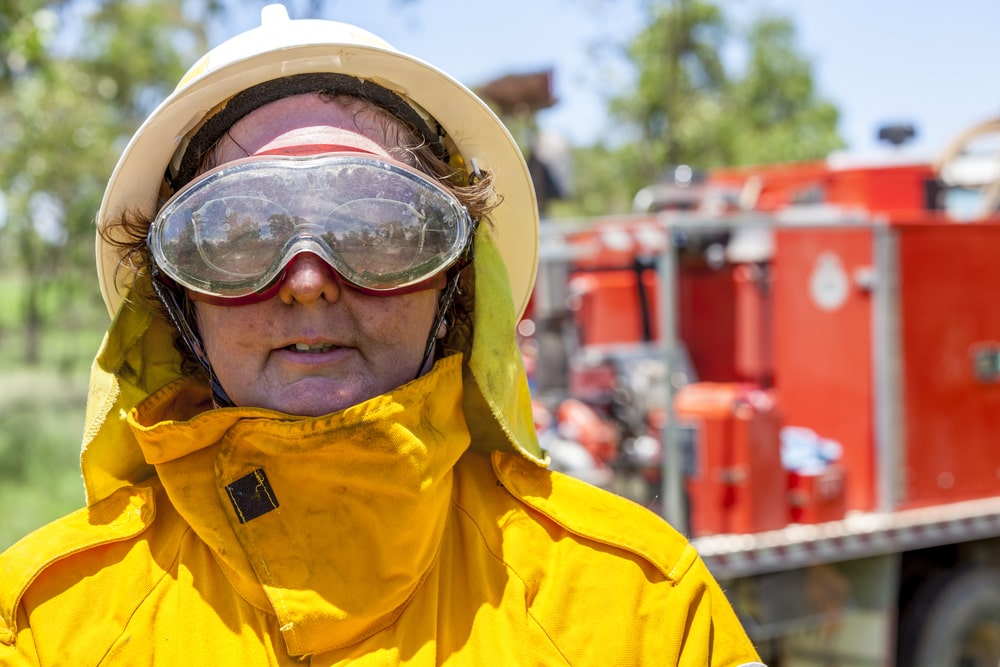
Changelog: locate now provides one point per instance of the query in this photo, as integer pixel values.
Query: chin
(311, 408)
(316, 401)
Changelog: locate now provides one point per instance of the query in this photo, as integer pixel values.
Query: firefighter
(308, 432)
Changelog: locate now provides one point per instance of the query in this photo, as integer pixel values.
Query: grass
(41, 421)
(42, 408)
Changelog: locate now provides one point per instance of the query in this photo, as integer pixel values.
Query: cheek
(211, 323)
(412, 320)
(400, 323)
(225, 332)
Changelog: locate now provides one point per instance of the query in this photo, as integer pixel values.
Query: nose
(308, 279)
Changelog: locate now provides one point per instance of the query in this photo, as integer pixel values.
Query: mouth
(307, 348)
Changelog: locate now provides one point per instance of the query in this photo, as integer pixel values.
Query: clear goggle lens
(381, 225)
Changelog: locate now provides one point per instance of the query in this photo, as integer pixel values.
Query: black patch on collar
(252, 495)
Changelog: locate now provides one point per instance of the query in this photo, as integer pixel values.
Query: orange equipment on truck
(802, 370)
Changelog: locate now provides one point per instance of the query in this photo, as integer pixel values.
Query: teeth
(305, 347)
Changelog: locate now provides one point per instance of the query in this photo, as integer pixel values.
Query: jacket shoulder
(596, 515)
(580, 557)
(121, 516)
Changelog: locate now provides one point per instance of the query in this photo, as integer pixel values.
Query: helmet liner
(328, 83)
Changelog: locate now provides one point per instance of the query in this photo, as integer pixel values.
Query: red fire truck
(799, 366)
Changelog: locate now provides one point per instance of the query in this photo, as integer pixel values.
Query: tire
(953, 621)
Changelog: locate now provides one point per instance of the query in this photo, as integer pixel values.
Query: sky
(930, 63)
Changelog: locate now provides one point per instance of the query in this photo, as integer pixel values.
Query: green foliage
(25, 32)
(42, 411)
(688, 108)
(41, 419)
(781, 118)
(134, 47)
(679, 60)
(68, 104)
(601, 178)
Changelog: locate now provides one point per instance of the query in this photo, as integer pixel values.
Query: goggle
(382, 226)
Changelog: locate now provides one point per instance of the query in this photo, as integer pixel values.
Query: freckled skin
(373, 343)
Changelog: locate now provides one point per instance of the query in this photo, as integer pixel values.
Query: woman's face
(317, 346)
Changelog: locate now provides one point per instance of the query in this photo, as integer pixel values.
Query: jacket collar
(330, 522)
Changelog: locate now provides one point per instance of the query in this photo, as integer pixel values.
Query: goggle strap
(445, 302)
(448, 296)
(191, 339)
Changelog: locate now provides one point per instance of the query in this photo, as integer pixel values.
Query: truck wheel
(954, 621)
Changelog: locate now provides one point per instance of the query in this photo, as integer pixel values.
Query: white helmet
(281, 47)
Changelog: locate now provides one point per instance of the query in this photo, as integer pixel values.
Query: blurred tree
(779, 115)
(75, 80)
(686, 107)
(22, 40)
(680, 71)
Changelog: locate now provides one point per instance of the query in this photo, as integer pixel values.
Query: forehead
(303, 120)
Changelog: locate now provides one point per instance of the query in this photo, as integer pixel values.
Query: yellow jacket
(420, 527)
